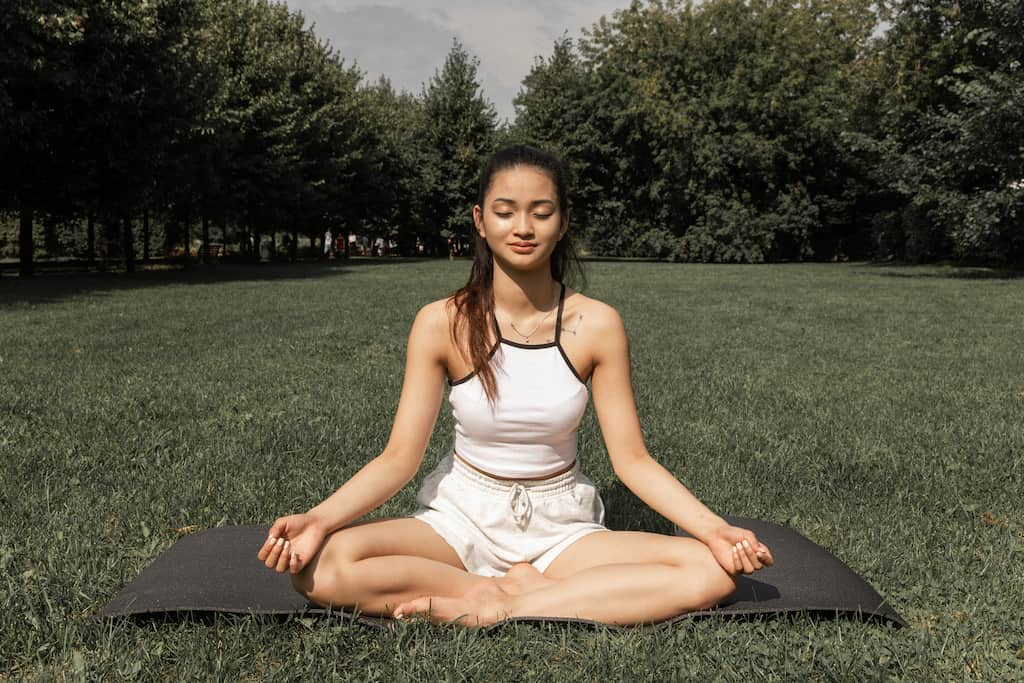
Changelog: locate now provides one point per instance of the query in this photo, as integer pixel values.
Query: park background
(872, 403)
(727, 131)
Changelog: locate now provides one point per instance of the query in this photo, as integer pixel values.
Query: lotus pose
(508, 526)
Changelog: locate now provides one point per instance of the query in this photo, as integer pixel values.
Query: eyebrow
(532, 204)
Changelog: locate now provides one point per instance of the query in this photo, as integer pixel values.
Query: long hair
(474, 303)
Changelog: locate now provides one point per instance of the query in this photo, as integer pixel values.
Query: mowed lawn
(876, 410)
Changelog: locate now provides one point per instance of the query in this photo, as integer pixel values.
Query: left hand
(738, 550)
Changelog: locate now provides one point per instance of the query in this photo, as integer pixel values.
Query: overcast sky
(408, 41)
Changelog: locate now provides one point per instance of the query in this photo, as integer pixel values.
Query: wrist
(708, 528)
(319, 520)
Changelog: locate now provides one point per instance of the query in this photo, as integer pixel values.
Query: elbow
(624, 464)
(399, 464)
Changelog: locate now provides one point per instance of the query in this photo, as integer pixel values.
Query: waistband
(541, 488)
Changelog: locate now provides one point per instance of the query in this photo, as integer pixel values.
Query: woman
(508, 524)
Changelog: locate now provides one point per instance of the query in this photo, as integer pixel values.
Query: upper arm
(422, 388)
(612, 389)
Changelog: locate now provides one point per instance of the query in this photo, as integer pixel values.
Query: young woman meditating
(508, 525)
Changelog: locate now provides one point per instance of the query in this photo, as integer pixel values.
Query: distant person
(508, 525)
(328, 243)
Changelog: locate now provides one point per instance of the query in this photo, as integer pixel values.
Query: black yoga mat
(216, 570)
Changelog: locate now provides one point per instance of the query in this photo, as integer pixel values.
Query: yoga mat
(216, 570)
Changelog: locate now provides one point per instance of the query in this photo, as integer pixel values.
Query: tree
(38, 91)
(555, 111)
(725, 122)
(951, 92)
(457, 126)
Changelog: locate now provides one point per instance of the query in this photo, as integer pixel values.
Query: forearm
(658, 488)
(367, 490)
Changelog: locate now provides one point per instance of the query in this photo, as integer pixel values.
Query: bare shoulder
(600, 318)
(430, 329)
(436, 314)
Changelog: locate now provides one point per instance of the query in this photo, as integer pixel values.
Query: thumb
(279, 528)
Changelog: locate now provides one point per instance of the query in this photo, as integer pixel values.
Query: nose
(524, 226)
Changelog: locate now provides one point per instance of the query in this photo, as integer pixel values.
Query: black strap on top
(558, 319)
(497, 330)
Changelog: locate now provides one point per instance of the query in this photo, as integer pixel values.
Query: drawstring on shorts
(519, 501)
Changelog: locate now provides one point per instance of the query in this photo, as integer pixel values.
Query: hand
(738, 550)
(292, 543)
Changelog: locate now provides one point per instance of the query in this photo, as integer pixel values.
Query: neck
(521, 294)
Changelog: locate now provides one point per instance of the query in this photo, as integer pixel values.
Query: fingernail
(280, 541)
(735, 550)
(272, 538)
(746, 543)
(399, 616)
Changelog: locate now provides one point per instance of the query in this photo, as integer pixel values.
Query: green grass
(876, 410)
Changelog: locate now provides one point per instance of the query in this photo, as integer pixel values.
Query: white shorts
(494, 523)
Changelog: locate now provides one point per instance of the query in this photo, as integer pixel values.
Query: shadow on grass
(625, 512)
(46, 288)
(949, 272)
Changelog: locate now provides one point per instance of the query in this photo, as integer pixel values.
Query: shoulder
(429, 332)
(600, 318)
(436, 315)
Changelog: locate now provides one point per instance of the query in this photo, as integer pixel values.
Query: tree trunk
(187, 238)
(127, 244)
(293, 248)
(145, 236)
(90, 239)
(204, 253)
(26, 248)
(256, 245)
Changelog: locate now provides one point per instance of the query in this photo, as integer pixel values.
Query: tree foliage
(725, 130)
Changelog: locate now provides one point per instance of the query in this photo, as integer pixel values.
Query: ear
(478, 220)
(565, 225)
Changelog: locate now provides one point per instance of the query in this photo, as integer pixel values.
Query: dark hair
(474, 303)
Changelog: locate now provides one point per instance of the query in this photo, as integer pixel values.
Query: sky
(408, 41)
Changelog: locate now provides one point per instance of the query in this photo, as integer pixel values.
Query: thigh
(634, 547)
(396, 536)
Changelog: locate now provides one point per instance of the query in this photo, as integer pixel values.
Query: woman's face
(521, 219)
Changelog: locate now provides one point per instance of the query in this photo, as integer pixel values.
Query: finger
(268, 545)
(748, 568)
(748, 549)
(294, 565)
(282, 562)
(737, 564)
(275, 553)
(765, 555)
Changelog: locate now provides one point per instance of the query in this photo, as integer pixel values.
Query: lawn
(877, 410)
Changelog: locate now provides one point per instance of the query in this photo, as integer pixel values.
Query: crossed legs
(615, 577)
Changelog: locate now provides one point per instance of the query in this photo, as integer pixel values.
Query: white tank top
(531, 429)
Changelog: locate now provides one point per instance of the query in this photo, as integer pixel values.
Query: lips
(523, 247)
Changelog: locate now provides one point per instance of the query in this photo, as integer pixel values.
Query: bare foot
(523, 578)
(481, 606)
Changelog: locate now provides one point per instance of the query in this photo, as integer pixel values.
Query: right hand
(292, 543)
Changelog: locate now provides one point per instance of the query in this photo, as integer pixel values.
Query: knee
(718, 583)
(715, 584)
(322, 580)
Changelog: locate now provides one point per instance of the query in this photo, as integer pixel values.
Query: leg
(665, 576)
(382, 563)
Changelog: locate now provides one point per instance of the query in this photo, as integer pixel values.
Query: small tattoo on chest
(579, 319)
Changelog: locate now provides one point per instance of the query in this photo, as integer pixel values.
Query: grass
(876, 410)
